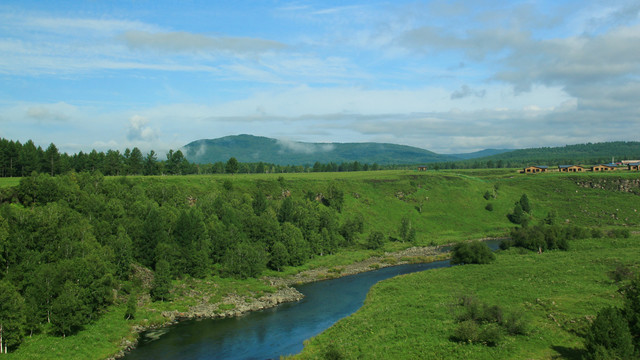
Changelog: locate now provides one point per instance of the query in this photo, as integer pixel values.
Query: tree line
(68, 242)
(19, 160)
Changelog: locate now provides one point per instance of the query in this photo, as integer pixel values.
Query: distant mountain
(249, 148)
(481, 153)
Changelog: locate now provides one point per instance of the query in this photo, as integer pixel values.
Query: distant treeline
(581, 154)
(19, 160)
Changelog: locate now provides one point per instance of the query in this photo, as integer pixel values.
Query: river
(268, 334)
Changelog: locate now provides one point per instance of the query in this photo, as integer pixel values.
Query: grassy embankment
(412, 317)
(453, 209)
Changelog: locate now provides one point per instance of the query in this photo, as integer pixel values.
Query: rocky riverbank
(235, 305)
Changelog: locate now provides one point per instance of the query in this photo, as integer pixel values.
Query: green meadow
(556, 293)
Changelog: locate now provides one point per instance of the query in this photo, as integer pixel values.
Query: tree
(375, 240)
(609, 336)
(161, 286)
(631, 309)
(135, 162)
(279, 256)
(67, 310)
(51, 159)
(151, 163)
(232, 166)
(12, 317)
(130, 313)
(524, 203)
(475, 252)
(518, 215)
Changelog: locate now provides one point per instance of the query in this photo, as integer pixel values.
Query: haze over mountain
(249, 148)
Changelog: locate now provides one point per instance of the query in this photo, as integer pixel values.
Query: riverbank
(234, 304)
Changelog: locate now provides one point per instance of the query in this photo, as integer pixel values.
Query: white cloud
(138, 129)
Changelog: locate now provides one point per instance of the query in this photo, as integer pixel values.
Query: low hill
(249, 148)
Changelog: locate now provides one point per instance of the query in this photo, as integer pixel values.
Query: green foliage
(232, 166)
(68, 311)
(487, 195)
(489, 207)
(524, 203)
(12, 316)
(518, 216)
(161, 286)
(245, 260)
(279, 256)
(375, 240)
(609, 336)
(474, 252)
(631, 309)
(132, 306)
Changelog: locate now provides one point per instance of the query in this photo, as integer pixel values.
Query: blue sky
(444, 76)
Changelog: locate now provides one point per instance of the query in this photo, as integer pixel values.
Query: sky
(450, 77)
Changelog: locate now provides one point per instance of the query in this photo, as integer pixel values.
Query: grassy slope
(453, 211)
(410, 317)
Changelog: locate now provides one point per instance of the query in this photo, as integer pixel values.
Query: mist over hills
(249, 148)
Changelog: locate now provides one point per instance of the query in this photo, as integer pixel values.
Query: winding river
(270, 333)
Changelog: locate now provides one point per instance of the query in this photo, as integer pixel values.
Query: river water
(270, 333)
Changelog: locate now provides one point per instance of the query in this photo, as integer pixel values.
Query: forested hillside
(248, 148)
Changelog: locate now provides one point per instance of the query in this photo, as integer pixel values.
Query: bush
(475, 252)
(467, 331)
(487, 195)
(489, 207)
(490, 335)
(375, 240)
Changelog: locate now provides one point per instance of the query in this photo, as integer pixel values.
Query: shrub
(475, 252)
(467, 331)
(487, 195)
(515, 324)
(489, 207)
(375, 240)
(490, 335)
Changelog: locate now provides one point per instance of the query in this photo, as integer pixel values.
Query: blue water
(268, 334)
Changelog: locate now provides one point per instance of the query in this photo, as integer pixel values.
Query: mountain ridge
(251, 148)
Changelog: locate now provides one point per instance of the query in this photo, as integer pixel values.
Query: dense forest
(67, 243)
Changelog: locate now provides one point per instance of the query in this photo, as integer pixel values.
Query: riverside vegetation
(77, 248)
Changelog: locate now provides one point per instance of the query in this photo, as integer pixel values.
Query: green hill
(248, 148)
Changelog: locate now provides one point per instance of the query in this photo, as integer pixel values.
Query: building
(570, 168)
(634, 166)
(422, 168)
(603, 167)
(535, 169)
(627, 162)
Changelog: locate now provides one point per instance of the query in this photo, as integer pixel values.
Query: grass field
(411, 317)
